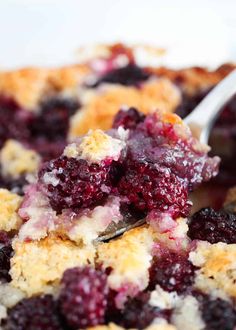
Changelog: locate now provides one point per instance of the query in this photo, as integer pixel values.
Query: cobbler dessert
(112, 214)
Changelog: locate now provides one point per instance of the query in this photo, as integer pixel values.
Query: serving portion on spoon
(201, 121)
(105, 183)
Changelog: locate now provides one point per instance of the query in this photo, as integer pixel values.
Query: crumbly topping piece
(16, 160)
(99, 111)
(25, 85)
(95, 147)
(88, 226)
(187, 314)
(163, 299)
(172, 233)
(39, 216)
(129, 257)
(10, 296)
(3, 313)
(9, 204)
(37, 266)
(28, 86)
(217, 272)
(194, 79)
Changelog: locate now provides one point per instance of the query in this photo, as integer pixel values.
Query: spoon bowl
(202, 118)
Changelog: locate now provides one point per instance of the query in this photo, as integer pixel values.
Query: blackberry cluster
(149, 186)
(213, 226)
(83, 298)
(173, 272)
(80, 184)
(49, 128)
(37, 313)
(130, 75)
(217, 313)
(138, 314)
(128, 119)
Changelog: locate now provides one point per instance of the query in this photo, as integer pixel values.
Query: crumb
(217, 272)
(187, 314)
(95, 147)
(16, 160)
(9, 204)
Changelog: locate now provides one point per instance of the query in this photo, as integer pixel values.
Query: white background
(48, 32)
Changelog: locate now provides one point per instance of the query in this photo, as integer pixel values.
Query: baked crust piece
(217, 272)
(194, 79)
(37, 266)
(30, 85)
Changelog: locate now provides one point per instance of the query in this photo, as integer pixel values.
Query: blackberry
(172, 271)
(48, 129)
(37, 313)
(79, 185)
(128, 118)
(83, 298)
(213, 226)
(149, 186)
(52, 122)
(130, 75)
(138, 314)
(217, 313)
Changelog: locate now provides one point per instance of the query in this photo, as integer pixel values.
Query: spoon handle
(203, 116)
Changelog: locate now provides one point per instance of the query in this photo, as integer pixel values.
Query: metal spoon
(200, 121)
(202, 118)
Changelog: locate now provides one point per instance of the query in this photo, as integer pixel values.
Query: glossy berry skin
(5, 255)
(217, 313)
(213, 226)
(130, 75)
(149, 186)
(36, 313)
(156, 170)
(138, 314)
(128, 119)
(173, 272)
(83, 298)
(80, 184)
